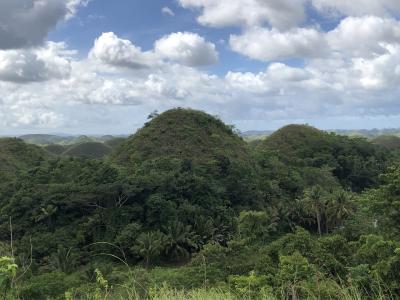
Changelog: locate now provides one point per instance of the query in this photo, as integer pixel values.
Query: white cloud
(267, 45)
(364, 36)
(358, 7)
(381, 72)
(284, 73)
(352, 70)
(21, 66)
(187, 48)
(281, 14)
(166, 11)
(354, 37)
(323, 88)
(27, 23)
(112, 50)
(73, 5)
(36, 117)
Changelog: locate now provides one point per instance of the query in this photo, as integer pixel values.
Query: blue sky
(143, 22)
(94, 67)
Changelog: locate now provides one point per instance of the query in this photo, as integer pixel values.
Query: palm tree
(339, 208)
(63, 259)
(316, 201)
(149, 245)
(179, 240)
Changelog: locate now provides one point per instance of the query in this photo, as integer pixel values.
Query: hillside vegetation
(186, 209)
(389, 142)
(55, 149)
(182, 134)
(88, 149)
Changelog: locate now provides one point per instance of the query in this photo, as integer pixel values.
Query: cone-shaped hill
(55, 149)
(16, 154)
(298, 141)
(354, 161)
(389, 142)
(88, 150)
(193, 153)
(182, 134)
(115, 142)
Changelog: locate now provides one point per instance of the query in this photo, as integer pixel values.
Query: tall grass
(135, 288)
(166, 292)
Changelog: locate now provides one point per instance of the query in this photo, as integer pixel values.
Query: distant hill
(297, 140)
(367, 133)
(183, 134)
(89, 150)
(356, 162)
(20, 154)
(16, 155)
(46, 139)
(51, 139)
(55, 149)
(389, 142)
(115, 142)
(190, 150)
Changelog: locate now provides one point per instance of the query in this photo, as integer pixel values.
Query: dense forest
(186, 209)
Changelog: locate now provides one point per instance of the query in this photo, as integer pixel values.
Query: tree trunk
(319, 222)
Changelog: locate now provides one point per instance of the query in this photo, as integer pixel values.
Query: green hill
(16, 154)
(185, 203)
(55, 149)
(182, 134)
(298, 141)
(190, 150)
(355, 162)
(82, 139)
(88, 150)
(389, 142)
(45, 139)
(115, 142)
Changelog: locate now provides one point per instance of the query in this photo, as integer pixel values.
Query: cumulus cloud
(112, 50)
(187, 48)
(271, 44)
(364, 36)
(22, 66)
(381, 72)
(281, 14)
(27, 23)
(326, 87)
(276, 79)
(358, 7)
(353, 69)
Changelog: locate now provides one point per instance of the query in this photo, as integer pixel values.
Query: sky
(101, 67)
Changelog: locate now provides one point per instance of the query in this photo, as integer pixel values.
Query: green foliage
(355, 162)
(115, 142)
(149, 246)
(55, 149)
(385, 202)
(389, 142)
(8, 271)
(93, 150)
(250, 286)
(302, 215)
(183, 134)
(293, 271)
(47, 286)
(257, 226)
